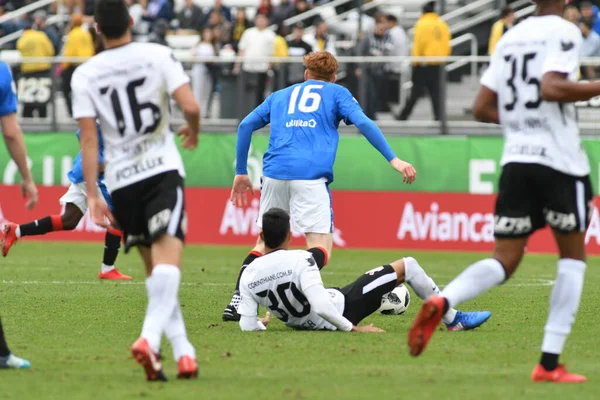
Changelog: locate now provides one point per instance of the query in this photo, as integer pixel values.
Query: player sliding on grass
(298, 165)
(13, 137)
(529, 88)
(288, 283)
(75, 202)
(127, 87)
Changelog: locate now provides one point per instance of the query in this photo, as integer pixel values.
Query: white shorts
(308, 202)
(77, 195)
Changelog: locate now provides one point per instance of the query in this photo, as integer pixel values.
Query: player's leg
(274, 193)
(409, 271)
(8, 359)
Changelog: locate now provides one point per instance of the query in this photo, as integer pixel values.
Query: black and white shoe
(231, 311)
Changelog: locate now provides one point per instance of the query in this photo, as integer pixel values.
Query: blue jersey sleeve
(8, 95)
(257, 119)
(371, 131)
(346, 104)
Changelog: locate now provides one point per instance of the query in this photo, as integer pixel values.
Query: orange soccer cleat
(143, 354)
(188, 369)
(113, 275)
(422, 329)
(9, 237)
(558, 375)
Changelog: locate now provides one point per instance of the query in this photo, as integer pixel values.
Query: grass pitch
(76, 331)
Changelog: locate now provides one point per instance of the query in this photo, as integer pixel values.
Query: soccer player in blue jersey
(13, 137)
(298, 165)
(75, 202)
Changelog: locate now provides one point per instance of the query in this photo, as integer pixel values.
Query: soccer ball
(395, 302)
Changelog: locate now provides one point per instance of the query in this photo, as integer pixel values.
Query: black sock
(249, 258)
(4, 351)
(549, 361)
(446, 306)
(37, 227)
(112, 244)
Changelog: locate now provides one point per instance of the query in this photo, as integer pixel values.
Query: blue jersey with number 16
(304, 129)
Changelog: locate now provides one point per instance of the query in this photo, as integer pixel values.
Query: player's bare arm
(191, 111)
(557, 87)
(13, 137)
(485, 107)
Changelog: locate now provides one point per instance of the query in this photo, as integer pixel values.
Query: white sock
(107, 268)
(474, 281)
(564, 303)
(162, 287)
(423, 285)
(18, 231)
(177, 335)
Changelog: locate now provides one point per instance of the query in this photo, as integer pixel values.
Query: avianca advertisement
(370, 220)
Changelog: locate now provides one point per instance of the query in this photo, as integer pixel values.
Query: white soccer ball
(395, 302)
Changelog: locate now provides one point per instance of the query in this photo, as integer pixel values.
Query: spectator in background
(204, 73)
(506, 21)
(282, 12)
(431, 39)
(223, 11)
(590, 47)
(265, 7)
(35, 43)
(79, 43)
(191, 17)
(297, 47)
(301, 7)
(320, 41)
(589, 13)
(241, 24)
(256, 43)
(374, 44)
(159, 32)
(399, 47)
(280, 49)
(40, 23)
(158, 9)
(572, 14)
(137, 8)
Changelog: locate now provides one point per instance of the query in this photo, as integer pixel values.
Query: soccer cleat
(143, 354)
(10, 237)
(429, 318)
(12, 361)
(558, 375)
(113, 275)
(465, 321)
(188, 369)
(230, 313)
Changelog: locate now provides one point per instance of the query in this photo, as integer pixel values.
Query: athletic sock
(253, 255)
(423, 285)
(162, 287)
(41, 226)
(112, 244)
(177, 335)
(564, 303)
(474, 281)
(4, 351)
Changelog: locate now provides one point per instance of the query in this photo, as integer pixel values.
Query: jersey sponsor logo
(561, 221)
(159, 221)
(527, 150)
(144, 146)
(139, 168)
(300, 123)
(512, 225)
(270, 278)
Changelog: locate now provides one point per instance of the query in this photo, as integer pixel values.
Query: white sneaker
(12, 361)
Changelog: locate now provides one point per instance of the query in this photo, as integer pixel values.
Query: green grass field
(76, 331)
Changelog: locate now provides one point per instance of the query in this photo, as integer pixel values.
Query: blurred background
(413, 65)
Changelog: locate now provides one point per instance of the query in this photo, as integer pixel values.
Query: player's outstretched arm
(13, 137)
(371, 131)
(556, 87)
(189, 132)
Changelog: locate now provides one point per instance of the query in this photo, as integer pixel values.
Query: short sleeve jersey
(127, 89)
(537, 131)
(277, 280)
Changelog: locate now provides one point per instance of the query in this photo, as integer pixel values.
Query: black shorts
(148, 209)
(532, 195)
(363, 296)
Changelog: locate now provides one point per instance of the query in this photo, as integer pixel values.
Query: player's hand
(367, 328)
(30, 193)
(265, 321)
(189, 138)
(100, 212)
(408, 172)
(239, 192)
